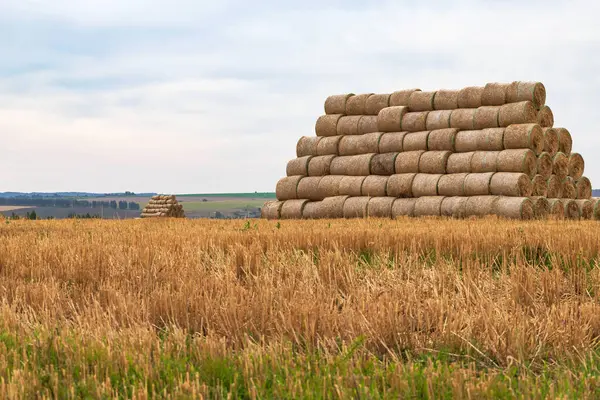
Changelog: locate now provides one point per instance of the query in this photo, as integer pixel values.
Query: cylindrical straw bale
(307, 146)
(560, 165)
(425, 185)
(571, 209)
(356, 207)
(544, 165)
(408, 162)
(517, 160)
(527, 91)
(421, 101)
(487, 117)
(359, 165)
(336, 104)
(351, 185)
(470, 97)
(446, 100)
(376, 103)
(429, 206)
(333, 207)
(539, 185)
(270, 210)
(414, 141)
(415, 121)
(480, 206)
(494, 94)
(557, 209)
(367, 124)
(452, 185)
(400, 97)
(568, 188)
(359, 144)
(514, 208)
(390, 119)
(596, 202)
(384, 164)
(329, 186)
(455, 207)
(467, 141)
(485, 161)
(517, 113)
(463, 118)
(286, 188)
(553, 183)
(329, 145)
(565, 142)
(434, 162)
(541, 207)
(583, 187)
(381, 207)
(292, 209)
(545, 117)
(327, 125)
(357, 104)
(576, 166)
(439, 119)
(313, 210)
(348, 125)
(524, 136)
(320, 165)
(391, 142)
(298, 166)
(550, 141)
(403, 208)
(442, 139)
(375, 186)
(308, 188)
(586, 208)
(459, 162)
(400, 185)
(478, 184)
(513, 184)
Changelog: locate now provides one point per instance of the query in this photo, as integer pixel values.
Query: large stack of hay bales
(489, 150)
(165, 206)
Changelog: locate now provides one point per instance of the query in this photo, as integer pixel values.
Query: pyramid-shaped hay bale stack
(480, 150)
(165, 206)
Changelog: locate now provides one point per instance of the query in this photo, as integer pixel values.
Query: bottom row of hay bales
(456, 207)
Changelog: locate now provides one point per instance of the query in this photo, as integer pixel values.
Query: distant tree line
(68, 203)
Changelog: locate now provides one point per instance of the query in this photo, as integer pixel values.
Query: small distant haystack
(165, 206)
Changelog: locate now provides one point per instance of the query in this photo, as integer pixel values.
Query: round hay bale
(545, 117)
(375, 186)
(560, 165)
(359, 144)
(554, 187)
(463, 118)
(459, 162)
(308, 188)
(329, 145)
(408, 162)
(568, 190)
(596, 208)
(269, 210)
(517, 113)
(333, 207)
(576, 166)
(359, 165)
(336, 104)
(544, 165)
(527, 91)
(442, 139)
(455, 207)
(524, 136)
(541, 207)
(287, 188)
(357, 104)
(390, 119)
(565, 142)
(415, 121)
(391, 142)
(292, 209)
(517, 160)
(327, 125)
(320, 165)
(348, 125)
(480, 206)
(438, 119)
(539, 186)
(384, 164)
(467, 141)
(425, 185)
(421, 101)
(415, 141)
(586, 208)
(494, 94)
(550, 141)
(571, 209)
(298, 166)
(381, 207)
(514, 208)
(307, 146)
(400, 185)
(367, 124)
(470, 97)
(487, 117)
(485, 161)
(452, 185)
(403, 208)
(445, 100)
(491, 139)
(583, 187)
(478, 184)
(400, 97)
(434, 162)
(557, 209)
(513, 184)
(429, 206)
(329, 186)
(351, 185)
(312, 210)
(376, 103)
(356, 207)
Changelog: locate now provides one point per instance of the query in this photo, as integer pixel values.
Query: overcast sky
(192, 96)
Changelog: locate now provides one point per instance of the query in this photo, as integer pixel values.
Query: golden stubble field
(428, 308)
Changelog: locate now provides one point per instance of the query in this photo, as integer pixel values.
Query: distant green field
(266, 195)
(221, 205)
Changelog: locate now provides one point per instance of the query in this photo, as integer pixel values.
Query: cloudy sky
(193, 96)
